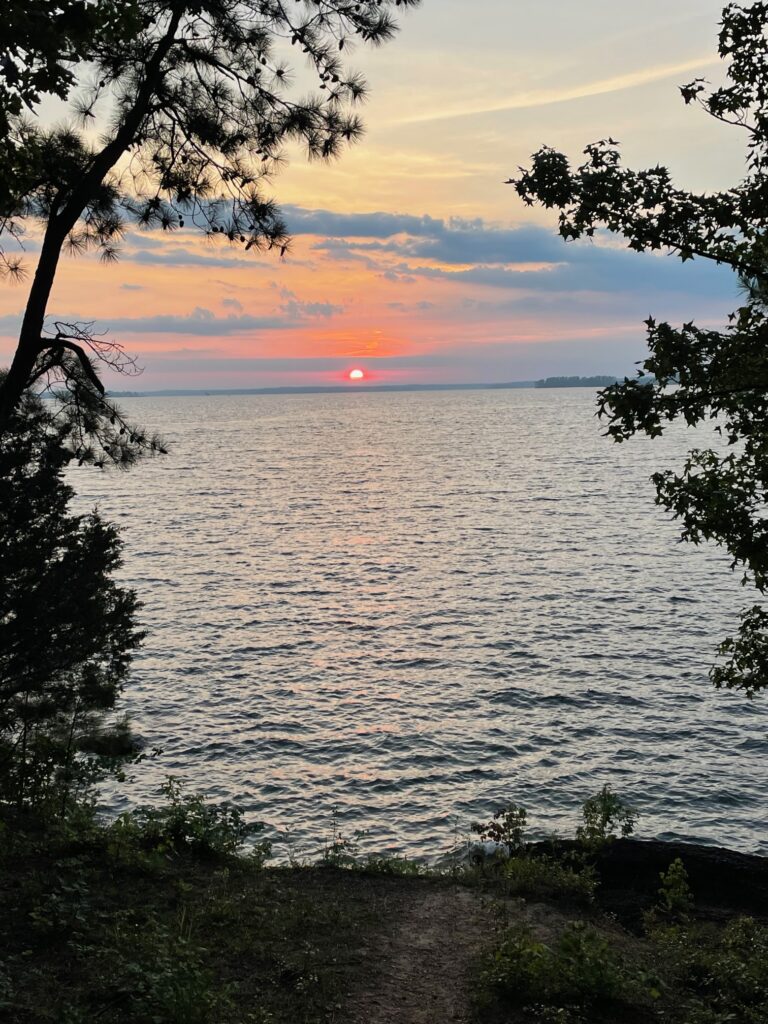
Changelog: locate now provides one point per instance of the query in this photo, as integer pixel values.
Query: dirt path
(419, 963)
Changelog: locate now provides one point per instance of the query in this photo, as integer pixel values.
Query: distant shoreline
(339, 389)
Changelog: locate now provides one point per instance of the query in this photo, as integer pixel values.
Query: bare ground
(416, 966)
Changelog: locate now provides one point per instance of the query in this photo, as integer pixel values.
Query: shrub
(719, 975)
(505, 828)
(675, 896)
(188, 822)
(604, 814)
(158, 970)
(546, 878)
(580, 971)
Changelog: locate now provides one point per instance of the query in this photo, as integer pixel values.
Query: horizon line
(353, 388)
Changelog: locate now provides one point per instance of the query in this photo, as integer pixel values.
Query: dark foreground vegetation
(161, 917)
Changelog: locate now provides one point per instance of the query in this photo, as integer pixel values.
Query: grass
(88, 934)
(682, 969)
(120, 925)
(541, 877)
(157, 919)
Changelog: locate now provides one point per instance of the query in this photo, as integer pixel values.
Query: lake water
(416, 607)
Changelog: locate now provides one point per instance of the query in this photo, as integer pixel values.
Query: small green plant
(675, 896)
(604, 815)
(188, 822)
(506, 829)
(517, 969)
(718, 976)
(588, 968)
(579, 971)
(544, 877)
(384, 864)
(340, 851)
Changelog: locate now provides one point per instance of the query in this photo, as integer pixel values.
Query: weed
(402, 867)
(543, 877)
(340, 851)
(505, 829)
(604, 814)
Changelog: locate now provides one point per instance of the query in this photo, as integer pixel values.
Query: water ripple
(416, 606)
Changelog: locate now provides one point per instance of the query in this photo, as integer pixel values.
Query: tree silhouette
(67, 630)
(43, 39)
(697, 375)
(200, 104)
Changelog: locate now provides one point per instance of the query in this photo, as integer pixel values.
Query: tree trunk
(61, 223)
(27, 351)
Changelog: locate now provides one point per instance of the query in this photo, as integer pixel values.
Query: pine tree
(200, 105)
(67, 629)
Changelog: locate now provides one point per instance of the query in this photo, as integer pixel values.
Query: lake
(415, 607)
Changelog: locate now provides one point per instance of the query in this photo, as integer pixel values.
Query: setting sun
(356, 375)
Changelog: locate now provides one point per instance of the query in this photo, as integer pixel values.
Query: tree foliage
(41, 44)
(67, 630)
(698, 376)
(43, 40)
(199, 102)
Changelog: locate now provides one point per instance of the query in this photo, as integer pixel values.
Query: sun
(356, 375)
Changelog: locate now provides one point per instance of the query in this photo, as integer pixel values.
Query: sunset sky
(411, 258)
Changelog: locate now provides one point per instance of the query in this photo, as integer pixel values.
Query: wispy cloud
(358, 225)
(527, 257)
(200, 322)
(174, 257)
(547, 97)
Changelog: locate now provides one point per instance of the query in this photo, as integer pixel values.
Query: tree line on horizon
(598, 381)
